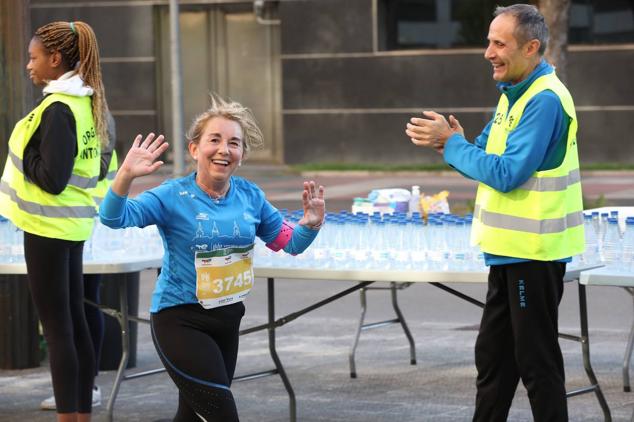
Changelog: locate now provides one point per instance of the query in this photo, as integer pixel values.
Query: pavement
(314, 348)
(283, 187)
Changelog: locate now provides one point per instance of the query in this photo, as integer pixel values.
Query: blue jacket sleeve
(480, 142)
(119, 211)
(271, 225)
(541, 126)
(301, 239)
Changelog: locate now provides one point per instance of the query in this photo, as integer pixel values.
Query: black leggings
(199, 348)
(94, 316)
(54, 269)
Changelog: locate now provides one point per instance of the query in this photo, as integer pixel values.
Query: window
(410, 24)
(407, 24)
(601, 22)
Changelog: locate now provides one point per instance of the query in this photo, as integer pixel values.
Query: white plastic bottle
(591, 254)
(628, 245)
(612, 243)
(414, 200)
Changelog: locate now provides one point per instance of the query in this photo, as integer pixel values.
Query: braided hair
(77, 44)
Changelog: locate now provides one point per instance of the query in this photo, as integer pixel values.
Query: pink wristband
(284, 236)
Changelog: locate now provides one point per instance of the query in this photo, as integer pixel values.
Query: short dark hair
(530, 24)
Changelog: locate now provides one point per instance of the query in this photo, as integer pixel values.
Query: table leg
(355, 342)
(122, 318)
(273, 351)
(628, 352)
(585, 349)
(399, 314)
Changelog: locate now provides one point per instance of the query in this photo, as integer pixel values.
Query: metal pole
(177, 92)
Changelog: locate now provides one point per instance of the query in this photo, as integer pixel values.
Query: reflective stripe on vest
(75, 180)
(542, 219)
(99, 192)
(47, 210)
(552, 184)
(530, 225)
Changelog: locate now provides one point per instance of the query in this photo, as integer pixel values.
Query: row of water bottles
(608, 242)
(105, 244)
(11, 242)
(130, 243)
(384, 242)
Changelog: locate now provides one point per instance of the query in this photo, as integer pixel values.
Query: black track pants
(518, 339)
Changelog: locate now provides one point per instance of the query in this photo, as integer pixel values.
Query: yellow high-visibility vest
(69, 215)
(99, 192)
(543, 218)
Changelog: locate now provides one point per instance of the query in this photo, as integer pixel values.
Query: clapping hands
(434, 131)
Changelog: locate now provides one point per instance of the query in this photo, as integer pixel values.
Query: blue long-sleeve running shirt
(188, 221)
(538, 143)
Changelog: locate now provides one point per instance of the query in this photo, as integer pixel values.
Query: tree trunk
(556, 14)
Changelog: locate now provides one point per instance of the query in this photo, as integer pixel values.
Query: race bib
(224, 276)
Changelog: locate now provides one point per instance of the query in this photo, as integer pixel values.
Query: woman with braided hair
(53, 163)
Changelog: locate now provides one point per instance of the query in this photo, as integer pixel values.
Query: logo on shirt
(499, 117)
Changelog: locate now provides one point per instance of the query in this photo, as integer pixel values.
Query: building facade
(337, 80)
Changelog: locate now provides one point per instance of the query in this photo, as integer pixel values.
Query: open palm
(314, 205)
(142, 156)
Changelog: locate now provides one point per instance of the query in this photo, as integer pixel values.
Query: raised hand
(140, 161)
(141, 158)
(314, 205)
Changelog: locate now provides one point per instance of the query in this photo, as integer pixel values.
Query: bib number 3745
(224, 276)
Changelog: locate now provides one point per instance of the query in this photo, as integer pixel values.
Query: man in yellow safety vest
(528, 217)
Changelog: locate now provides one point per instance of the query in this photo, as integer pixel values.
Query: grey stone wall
(126, 37)
(344, 101)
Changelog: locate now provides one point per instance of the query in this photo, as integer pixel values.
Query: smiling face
(511, 61)
(217, 152)
(43, 66)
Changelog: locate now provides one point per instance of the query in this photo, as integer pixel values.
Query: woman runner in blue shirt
(208, 221)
